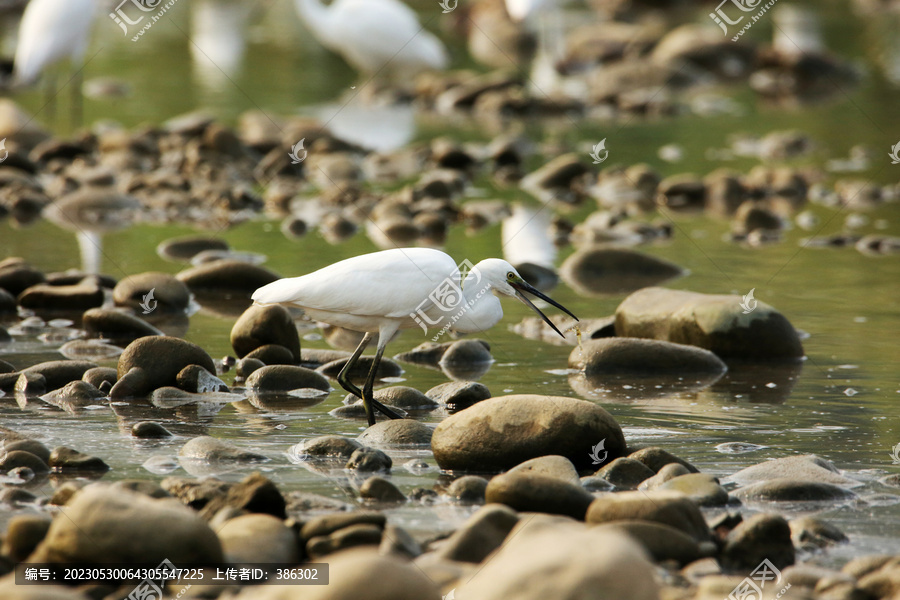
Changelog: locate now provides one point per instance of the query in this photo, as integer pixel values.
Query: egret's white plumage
(51, 31)
(374, 35)
(397, 289)
(218, 39)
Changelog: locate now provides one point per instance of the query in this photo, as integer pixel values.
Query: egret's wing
(392, 283)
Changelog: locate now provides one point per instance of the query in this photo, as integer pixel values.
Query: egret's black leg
(342, 378)
(369, 400)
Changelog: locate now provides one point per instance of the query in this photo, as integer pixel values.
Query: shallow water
(841, 403)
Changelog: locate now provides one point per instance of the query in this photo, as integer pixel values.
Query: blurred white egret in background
(376, 37)
(402, 288)
(526, 236)
(218, 39)
(528, 245)
(53, 31)
(375, 127)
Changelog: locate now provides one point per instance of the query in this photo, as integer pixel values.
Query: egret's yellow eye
(510, 275)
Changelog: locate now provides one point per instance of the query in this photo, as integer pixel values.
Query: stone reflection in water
(630, 387)
(189, 419)
(758, 383)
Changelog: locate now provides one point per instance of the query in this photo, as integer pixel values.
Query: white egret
(374, 36)
(401, 288)
(52, 31)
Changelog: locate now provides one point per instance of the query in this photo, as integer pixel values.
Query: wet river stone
(550, 557)
(381, 490)
(467, 352)
(386, 368)
(343, 539)
(602, 270)
(284, 378)
(669, 508)
(662, 542)
(459, 393)
(227, 275)
(530, 492)
(183, 249)
(635, 355)
(153, 362)
(79, 297)
(197, 380)
(272, 354)
(499, 433)
(468, 489)
(625, 473)
(23, 534)
(210, 449)
(396, 432)
(263, 325)
(57, 373)
(149, 429)
(367, 459)
(105, 525)
(558, 467)
(16, 277)
(33, 446)
(667, 473)
(328, 524)
(77, 393)
(702, 488)
(326, 446)
(656, 458)
(258, 538)
(168, 293)
(791, 490)
(66, 459)
(762, 536)
(714, 322)
(19, 458)
(480, 535)
(405, 397)
(116, 325)
(812, 533)
(799, 468)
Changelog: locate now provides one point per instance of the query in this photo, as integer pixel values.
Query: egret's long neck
(317, 19)
(483, 308)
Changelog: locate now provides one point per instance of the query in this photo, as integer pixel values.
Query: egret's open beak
(524, 286)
